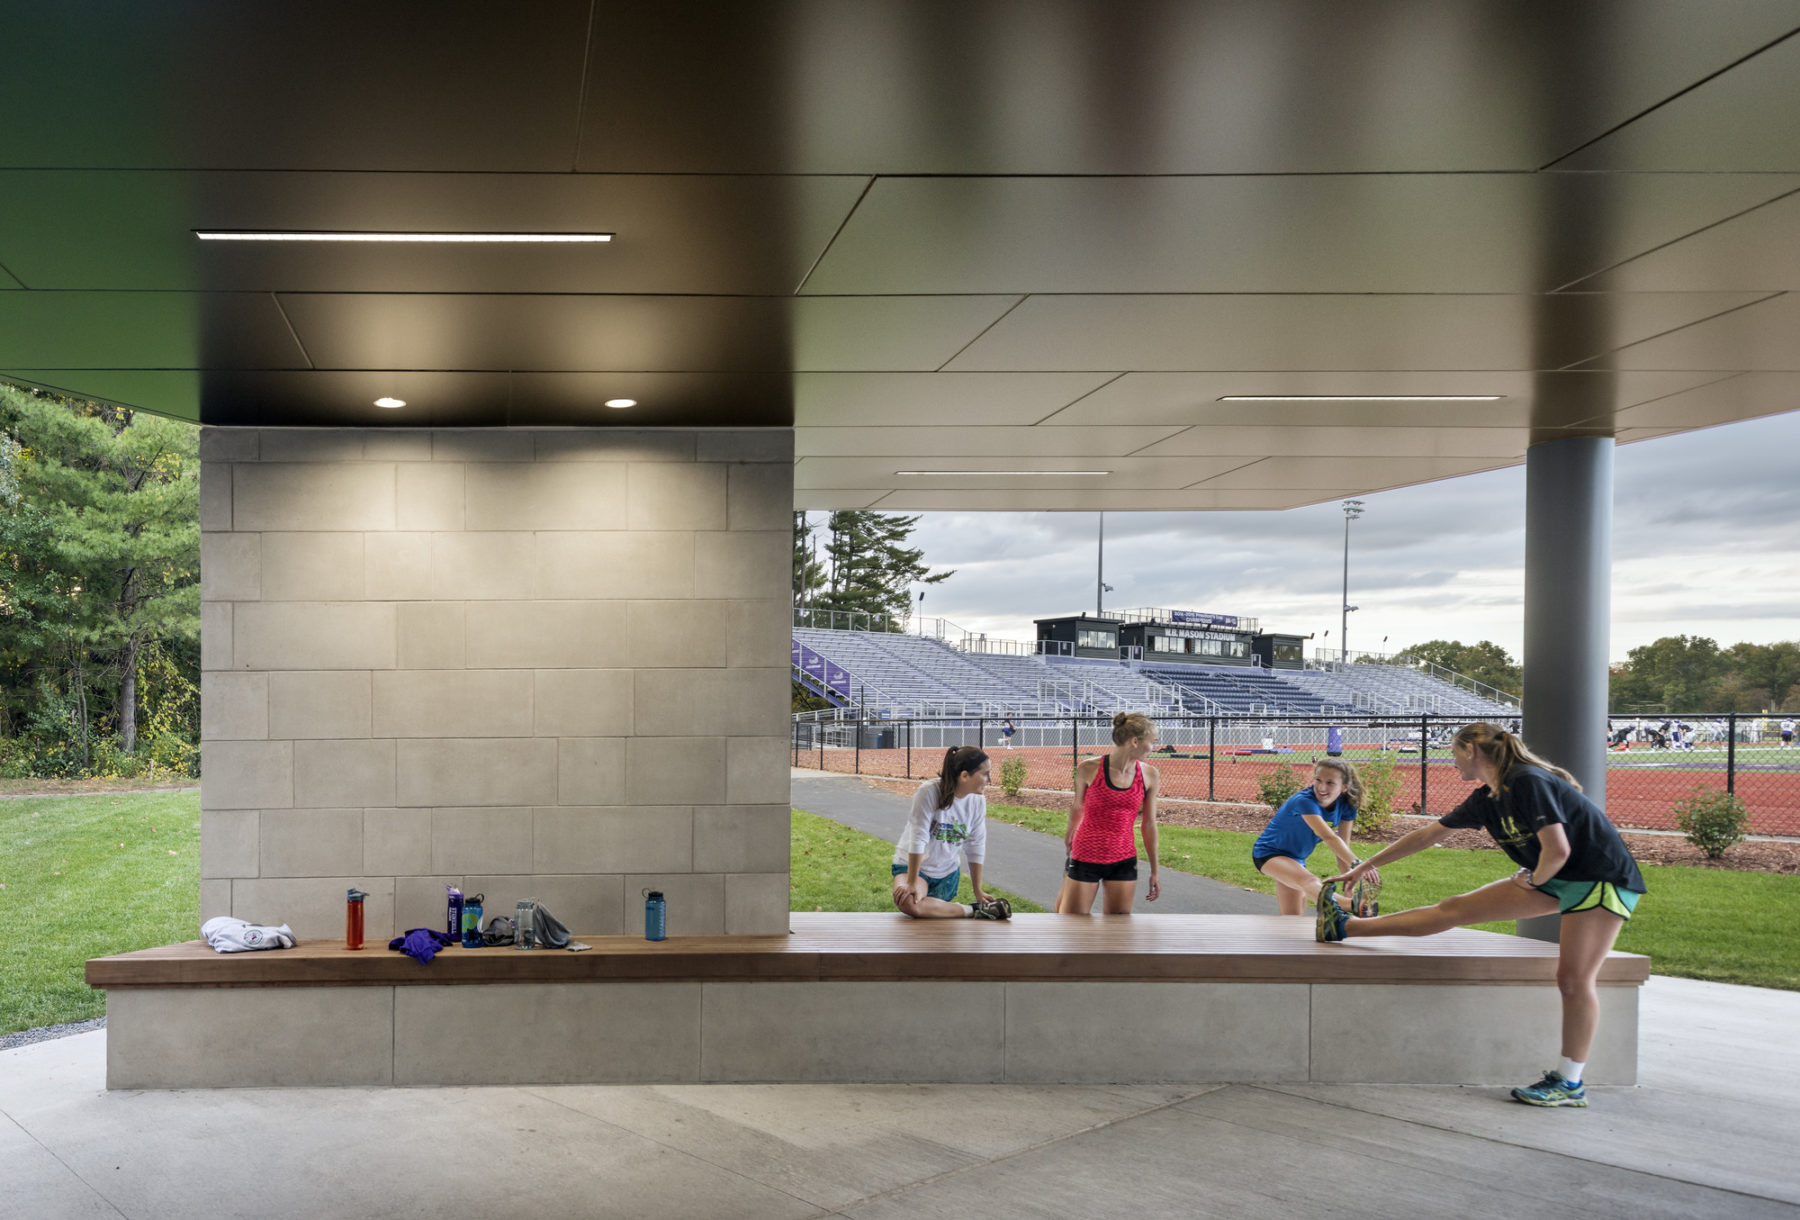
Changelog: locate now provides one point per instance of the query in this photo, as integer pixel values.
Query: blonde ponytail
(1506, 751)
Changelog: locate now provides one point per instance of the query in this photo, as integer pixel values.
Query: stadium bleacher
(897, 675)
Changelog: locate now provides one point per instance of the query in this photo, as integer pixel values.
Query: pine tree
(872, 568)
(105, 539)
(809, 571)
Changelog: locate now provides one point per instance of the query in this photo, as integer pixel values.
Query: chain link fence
(1652, 764)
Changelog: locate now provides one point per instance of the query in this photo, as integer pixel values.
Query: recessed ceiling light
(619, 404)
(969, 474)
(390, 403)
(1362, 397)
(461, 238)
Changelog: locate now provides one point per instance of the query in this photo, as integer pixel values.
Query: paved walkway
(1709, 1133)
(1023, 861)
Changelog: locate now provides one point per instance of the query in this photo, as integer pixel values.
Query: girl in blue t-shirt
(1304, 819)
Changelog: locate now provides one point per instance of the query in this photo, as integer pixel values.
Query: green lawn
(836, 868)
(1699, 923)
(84, 876)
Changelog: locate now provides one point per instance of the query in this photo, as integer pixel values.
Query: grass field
(1698, 923)
(84, 876)
(836, 868)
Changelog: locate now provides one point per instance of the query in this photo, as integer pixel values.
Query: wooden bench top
(889, 947)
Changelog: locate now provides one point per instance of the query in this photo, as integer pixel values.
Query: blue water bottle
(656, 915)
(471, 922)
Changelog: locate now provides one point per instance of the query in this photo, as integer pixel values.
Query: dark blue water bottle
(656, 915)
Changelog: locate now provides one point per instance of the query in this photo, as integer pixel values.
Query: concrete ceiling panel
(683, 234)
(1463, 233)
(1305, 332)
(1154, 87)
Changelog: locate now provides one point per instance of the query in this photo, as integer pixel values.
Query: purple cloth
(422, 943)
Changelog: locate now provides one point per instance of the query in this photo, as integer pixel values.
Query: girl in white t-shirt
(947, 826)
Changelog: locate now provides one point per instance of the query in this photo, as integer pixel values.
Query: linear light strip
(456, 238)
(969, 474)
(1362, 397)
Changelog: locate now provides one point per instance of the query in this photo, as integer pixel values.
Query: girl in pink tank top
(1113, 793)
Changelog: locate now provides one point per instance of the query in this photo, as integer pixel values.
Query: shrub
(1277, 785)
(1712, 820)
(1380, 788)
(1012, 776)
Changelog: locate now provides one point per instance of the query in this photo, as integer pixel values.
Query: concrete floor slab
(1248, 1152)
(1708, 1133)
(1716, 1103)
(34, 1183)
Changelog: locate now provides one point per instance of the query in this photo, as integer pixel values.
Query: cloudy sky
(1706, 541)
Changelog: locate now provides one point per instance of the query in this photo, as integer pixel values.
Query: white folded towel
(229, 935)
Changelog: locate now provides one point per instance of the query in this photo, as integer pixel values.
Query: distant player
(1006, 732)
(946, 828)
(1787, 732)
(1570, 860)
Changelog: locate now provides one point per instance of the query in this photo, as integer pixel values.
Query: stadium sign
(1199, 618)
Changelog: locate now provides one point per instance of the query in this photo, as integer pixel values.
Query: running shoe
(993, 908)
(1332, 917)
(1552, 1090)
(1362, 898)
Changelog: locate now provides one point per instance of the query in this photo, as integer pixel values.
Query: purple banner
(837, 678)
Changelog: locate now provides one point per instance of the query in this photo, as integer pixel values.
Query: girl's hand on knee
(903, 895)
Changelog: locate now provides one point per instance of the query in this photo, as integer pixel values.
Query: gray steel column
(1568, 612)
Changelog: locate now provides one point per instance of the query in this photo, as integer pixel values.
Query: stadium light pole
(1100, 571)
(1352, 510)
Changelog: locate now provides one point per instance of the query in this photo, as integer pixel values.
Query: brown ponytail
(1506, 751)
(958, 762)
(1129, 726)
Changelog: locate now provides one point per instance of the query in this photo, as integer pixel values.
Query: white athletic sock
(968, 910)
(1571, 1071)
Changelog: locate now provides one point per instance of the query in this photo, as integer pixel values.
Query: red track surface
(1638, 797)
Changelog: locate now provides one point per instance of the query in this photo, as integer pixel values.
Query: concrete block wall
(534, 663)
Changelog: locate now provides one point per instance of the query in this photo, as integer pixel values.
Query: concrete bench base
(857, 998)
(913, 1032)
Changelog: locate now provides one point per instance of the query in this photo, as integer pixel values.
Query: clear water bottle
(656, 915)
(525, 924)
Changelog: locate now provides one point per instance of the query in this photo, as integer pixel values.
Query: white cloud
(1706, 541)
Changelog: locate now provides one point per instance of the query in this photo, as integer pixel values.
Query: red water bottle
(353, 920)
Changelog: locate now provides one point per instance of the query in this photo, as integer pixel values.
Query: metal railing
(849, 620)
(1651, 771)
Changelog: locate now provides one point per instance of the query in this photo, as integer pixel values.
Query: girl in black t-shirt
(1570, 860)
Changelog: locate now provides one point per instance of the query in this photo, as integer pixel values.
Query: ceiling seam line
(1711, 76)
(1711, 317)
(587, 57)
(1079, 397)
(1152, 444)
(1672, 241)
(984, 330)
(836, 233)
(7, 272)
(292, 333)
(1195, 485)
(1611, 417)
